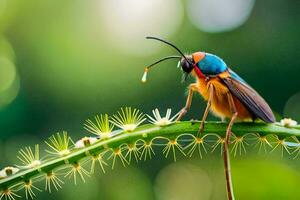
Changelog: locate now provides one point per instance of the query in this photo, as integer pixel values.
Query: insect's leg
(233, 117)
(226, 151)
(210, 98)
(183, 111)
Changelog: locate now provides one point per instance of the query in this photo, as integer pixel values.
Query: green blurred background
(62, 62)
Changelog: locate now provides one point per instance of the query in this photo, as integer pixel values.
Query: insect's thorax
(211, 65)
(219, 104)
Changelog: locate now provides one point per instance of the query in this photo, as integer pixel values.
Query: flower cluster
(70, 159)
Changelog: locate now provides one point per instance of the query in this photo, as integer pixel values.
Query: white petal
(85, 142)
(79, 144)
(2, 174)
(151, 119)
(158, 114)
(168, 114)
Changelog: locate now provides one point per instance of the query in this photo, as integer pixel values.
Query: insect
(226, 93)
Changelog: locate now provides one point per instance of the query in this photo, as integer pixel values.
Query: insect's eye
(186, 66)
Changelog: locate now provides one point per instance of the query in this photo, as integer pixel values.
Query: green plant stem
(148, 132)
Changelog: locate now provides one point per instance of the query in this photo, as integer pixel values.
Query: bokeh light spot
(126, 184)
(219, 16)
(183, 181)
(7, 74)
(6, 49)
(9, 82)
(8, 95)
(265, 179)
(126, 23)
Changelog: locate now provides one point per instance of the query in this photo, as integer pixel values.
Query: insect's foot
(193, 121)
(201, 128)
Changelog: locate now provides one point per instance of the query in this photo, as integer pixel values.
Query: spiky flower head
(288, 122)
(86, 141)
(30, 158)
(162, 121)
(51, 179)
(59, 144)
(7, 171)
(77, 169)
(8, 194)
(29, 189)
(101, 127)
(128, 119)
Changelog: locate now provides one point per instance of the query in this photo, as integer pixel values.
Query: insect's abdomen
(219, 105)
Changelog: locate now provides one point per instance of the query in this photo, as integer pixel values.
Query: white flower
(162, 121)
(288, 122)
(86, 141)
(7, 171)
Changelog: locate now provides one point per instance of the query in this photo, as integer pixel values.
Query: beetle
(227, 94)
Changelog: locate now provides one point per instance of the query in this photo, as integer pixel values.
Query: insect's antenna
(144, 78)
(172, 45)
(163, 59)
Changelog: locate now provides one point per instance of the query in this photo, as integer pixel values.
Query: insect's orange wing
(249, 97)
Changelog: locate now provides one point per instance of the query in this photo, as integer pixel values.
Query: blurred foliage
(69, 67)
